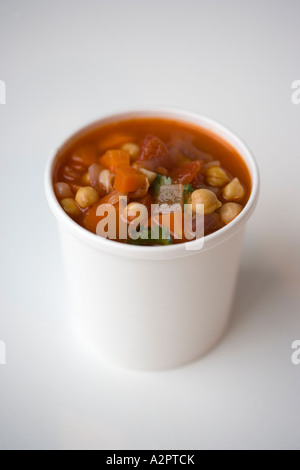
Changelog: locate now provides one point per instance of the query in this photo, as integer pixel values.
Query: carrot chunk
(91, 219)
(129, 179)
(114, 159)
(185, 173)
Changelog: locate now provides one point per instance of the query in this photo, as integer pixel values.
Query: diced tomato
(162, 171)
(185, 173)
(153, 148)
(212, 222)
(155, 154)
(198, 181)
(190, 150)
(114, 159)
(129, 180)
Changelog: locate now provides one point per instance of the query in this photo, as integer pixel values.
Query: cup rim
(158, 252)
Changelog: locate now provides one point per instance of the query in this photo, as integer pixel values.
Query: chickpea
(132, 149)
(210, 164)
(106, 180)
(151, 175)
(86, 197)
(207, 198)
(69, 206)
(230, 211)
(234, 191)
(85, 179)
(216, 176)
(62, 191)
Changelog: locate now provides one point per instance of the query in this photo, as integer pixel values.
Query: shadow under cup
(152, 308)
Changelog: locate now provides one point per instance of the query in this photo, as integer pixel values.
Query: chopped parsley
(188, 188)
(157, 236)
(187, 191)
(159, 181)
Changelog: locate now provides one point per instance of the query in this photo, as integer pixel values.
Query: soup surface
(151, 181)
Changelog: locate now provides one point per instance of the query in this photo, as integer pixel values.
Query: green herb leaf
(158, 236)
(159, 181)
(188, 188)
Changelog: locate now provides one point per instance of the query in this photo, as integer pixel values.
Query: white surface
(66, 63)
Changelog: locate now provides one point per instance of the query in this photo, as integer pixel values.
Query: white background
(68, 62)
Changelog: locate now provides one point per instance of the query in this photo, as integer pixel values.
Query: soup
(141, 181)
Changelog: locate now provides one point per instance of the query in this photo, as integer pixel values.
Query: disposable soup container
(152, 308)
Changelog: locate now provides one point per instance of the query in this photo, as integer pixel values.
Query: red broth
(151, 161)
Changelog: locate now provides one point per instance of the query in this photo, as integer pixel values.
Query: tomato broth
(147, 161)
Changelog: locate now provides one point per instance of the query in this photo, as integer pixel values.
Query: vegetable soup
(134, 165)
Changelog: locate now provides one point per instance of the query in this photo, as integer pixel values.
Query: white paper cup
(152, 308)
